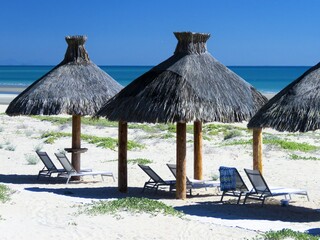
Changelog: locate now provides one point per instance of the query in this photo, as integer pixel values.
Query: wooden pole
(181, 185)
(257, 149)
(122, 155)
(197, 134)
(76, 143)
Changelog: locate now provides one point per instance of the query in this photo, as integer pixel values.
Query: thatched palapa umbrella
(76, 86)
(295, 108)
(189, 86)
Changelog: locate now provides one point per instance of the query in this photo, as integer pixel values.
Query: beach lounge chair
(194, 183)
(261, 190)
(231, 183)
(155, 180)
(49, 166)
(71, 172)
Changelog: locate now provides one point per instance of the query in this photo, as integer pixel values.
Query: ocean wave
(9, 93)
(14, 85)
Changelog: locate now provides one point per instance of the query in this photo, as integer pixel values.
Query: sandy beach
(7, 94)
(48, 208)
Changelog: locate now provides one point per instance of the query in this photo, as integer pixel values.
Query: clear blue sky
(140, 32)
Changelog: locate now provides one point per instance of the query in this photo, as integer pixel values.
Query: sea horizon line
(116, 65)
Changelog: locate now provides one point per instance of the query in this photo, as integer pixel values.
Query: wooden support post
(257, 149)
(122, 155)
(181, 187)
(197, 134)
(76, 143)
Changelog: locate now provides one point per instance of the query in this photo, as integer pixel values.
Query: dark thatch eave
(191, 85)
(295, 108)
(76, 86)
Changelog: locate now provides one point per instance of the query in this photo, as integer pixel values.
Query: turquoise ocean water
(266, 79)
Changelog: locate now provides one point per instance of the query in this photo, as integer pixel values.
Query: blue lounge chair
(231, 183)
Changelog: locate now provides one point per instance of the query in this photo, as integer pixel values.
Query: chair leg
(68, 180)
(245, 199)
(239, 198)
(144, 187)
(222, 196)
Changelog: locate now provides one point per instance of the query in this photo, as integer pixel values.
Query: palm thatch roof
(191, 85)
(76, 86)
(294, 108)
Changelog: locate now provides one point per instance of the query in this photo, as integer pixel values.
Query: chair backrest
(65, 162)
(240, 184)
(230, 179)
(152, 174)
(46, 160)
(257, 181)
(173, 169)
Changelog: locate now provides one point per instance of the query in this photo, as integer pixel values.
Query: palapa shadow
(102, 192)
(252, 211)
(313, 231)
(29, 179)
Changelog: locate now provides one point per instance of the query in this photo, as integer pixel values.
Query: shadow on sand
(102, 192)
(314, 231)
(252, 211)
(29, 179)
(33, 179)
(79, 188)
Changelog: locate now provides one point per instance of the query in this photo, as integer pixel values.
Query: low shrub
(4, 193)
(31, 159)
(287, 234)
(131, 204)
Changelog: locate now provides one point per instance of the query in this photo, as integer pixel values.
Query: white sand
(7, 98)
(45, 209)
(9, 93)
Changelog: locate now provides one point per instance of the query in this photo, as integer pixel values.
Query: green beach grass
(130, 204)
(104, 142)
(142, 161)
(243, 136)
(150, 128)
(284, 144)
(208, 129)
(5, 193)
(286, 234)
(297, 157)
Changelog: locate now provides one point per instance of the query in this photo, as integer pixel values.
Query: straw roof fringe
(76, 86)
(295, 108)
(191, 85)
